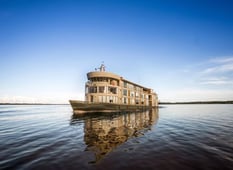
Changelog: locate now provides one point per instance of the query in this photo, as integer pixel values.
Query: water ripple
(177, 137)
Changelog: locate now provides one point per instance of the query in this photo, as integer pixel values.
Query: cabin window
(101, 79)
(142, 96)
(101, 89)
(131, 94)
(150, 97)
(125, 100)
(92, 98)
(137, 88)
(130, 86)
(112, 90)
(125, 84)
(93, 89)
(125, 92)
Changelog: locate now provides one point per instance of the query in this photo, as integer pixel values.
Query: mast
(102, 68)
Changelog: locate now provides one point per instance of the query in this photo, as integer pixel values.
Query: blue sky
(182, 49)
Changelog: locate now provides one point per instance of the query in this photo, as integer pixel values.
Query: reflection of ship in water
(104, 133)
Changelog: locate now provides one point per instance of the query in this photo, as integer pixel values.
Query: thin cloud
(219, 65)
(219, 69)
(222, 60)
(217, 72)
(217, 81)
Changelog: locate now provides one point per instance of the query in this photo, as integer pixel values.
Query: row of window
(114, 99)
(113, 90)
(130, 86)
(104, 79)
(114, 82)
(136, 94)
(108, 99)
(101, 89)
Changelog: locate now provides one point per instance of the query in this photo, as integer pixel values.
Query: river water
(172, 137)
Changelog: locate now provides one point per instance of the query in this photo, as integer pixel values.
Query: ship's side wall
(80, 107)
(106, 87)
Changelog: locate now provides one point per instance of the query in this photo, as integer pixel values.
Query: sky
(183, 49)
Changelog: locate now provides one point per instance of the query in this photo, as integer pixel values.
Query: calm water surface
(173, 137)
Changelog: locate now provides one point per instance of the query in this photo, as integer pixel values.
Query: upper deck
(101, 75)
(106, 87)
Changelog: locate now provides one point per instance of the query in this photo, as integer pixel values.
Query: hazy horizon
(181, 49)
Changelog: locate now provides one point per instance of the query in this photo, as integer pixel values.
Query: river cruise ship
(108, 92)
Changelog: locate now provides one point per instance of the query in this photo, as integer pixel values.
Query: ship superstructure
(106, 91)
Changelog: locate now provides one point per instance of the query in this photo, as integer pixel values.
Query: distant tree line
(199, 102)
